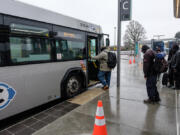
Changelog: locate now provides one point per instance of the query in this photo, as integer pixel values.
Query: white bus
(43, 56)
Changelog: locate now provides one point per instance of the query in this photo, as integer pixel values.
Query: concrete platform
(125, 112)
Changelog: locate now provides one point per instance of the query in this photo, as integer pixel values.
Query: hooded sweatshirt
(148, 61)
(102, 58)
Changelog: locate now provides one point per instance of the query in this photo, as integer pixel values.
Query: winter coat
(173, 61)
(170, 56)
(102, 58)
(148, 62)
(177, 61)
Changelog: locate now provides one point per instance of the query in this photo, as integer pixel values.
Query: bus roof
(19, 9)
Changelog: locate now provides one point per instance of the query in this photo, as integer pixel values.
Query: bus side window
(58, 50)
(66, 52)
(25, 49)
(70, 50)
(64, 46)
(62, 50)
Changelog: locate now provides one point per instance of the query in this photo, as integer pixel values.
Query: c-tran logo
(7, 94)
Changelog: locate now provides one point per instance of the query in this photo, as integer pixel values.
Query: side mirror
(52, 34)
(5, 29)
(107, 42)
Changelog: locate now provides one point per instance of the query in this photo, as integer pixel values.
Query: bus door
(93, 65)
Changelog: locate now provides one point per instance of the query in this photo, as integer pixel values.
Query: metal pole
(118, 44)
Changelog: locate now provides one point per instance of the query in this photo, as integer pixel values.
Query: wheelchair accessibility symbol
(7, 94)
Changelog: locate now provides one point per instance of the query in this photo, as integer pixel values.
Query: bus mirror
(4, 29)
(177, 8)
(52, 34)
(107, 42)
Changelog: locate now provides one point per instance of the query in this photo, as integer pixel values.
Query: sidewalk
(125, 112)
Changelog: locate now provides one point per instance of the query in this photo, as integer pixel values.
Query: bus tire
(73, 85)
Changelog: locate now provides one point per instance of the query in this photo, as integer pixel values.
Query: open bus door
(93, 65)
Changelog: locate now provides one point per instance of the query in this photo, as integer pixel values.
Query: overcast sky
(156, 16)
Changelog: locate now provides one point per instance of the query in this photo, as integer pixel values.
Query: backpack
(112, 60)
(160, 64)
(165, 79)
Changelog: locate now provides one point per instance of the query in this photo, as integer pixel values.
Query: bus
(44, 56)
(158, 44)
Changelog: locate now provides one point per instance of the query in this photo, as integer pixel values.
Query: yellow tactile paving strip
(86, 96)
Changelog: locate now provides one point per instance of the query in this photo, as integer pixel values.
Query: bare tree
(135, 32)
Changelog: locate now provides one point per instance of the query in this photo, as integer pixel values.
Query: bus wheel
(73, 86)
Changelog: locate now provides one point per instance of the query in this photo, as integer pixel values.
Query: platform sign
(125, 10)
(136, 49)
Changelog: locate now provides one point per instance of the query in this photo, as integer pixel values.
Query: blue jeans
(104, 77)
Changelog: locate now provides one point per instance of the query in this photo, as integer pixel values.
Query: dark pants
(171, 77)
(177, 79)
(104, 77)
(152, 92)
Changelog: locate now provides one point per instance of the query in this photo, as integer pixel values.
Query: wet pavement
(125, 112)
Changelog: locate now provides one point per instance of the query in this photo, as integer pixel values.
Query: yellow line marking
(87, 96)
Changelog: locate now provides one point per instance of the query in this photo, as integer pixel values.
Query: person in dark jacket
(177, 71)
(150, 75)
(172, 64)
(170, 72)
(158, 50)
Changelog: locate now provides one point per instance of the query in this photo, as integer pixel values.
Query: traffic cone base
(134, 61)
(100, 130)
(130, 62)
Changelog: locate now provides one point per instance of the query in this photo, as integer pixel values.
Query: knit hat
(144, 48)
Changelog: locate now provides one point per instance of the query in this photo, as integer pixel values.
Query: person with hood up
(150, 75)
(172, 65)
(176, 68)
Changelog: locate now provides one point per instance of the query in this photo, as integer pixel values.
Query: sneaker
(105, 87)
(148, 101)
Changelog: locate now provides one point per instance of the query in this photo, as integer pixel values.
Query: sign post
(124, 14)
(118, 44)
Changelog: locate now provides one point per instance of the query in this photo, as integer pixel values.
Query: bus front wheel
(73, 85)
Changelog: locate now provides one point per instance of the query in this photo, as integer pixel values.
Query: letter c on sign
(125, 5)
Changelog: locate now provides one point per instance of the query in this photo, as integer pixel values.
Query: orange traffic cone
(130, 62)
(100, 125)
(134, 60)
